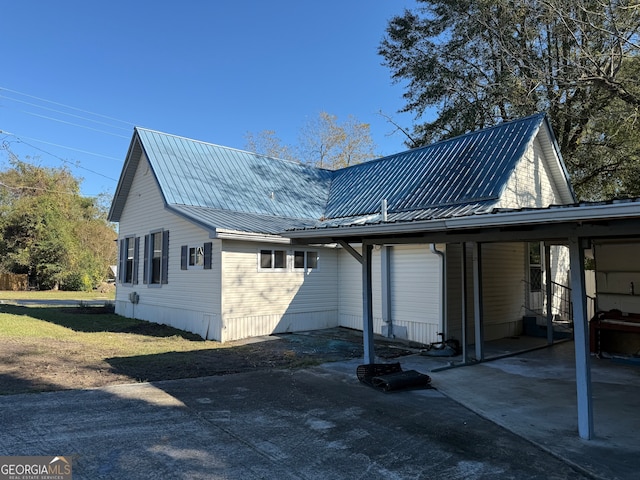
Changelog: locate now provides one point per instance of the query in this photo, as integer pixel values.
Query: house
(206, 242)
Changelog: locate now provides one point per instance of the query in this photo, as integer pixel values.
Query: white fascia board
(248, 236)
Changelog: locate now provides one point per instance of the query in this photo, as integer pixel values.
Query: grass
(47, 348)
(100, 334)
(50, 348)
(55, 295)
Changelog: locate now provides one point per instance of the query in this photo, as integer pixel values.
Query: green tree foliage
(482, 62)
(49, 231)
(323, 142)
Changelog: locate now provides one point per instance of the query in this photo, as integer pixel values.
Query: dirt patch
(36, 366)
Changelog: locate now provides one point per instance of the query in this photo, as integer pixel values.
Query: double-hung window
(156, 257)
(128, 261)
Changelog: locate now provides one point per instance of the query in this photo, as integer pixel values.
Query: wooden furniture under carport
(606, 331)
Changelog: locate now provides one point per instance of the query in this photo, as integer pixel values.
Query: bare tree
(323, 142)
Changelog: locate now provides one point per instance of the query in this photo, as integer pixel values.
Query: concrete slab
(305, 424)
(534, 395)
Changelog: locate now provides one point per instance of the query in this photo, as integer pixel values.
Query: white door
(534, 282)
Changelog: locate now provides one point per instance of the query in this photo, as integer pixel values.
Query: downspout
(443, 283)
(385, 267)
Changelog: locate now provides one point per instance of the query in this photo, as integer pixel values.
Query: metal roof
(190, 172)
(469, 168)
(223, 188)
(211, 218)
(431, 213)
(565, 219)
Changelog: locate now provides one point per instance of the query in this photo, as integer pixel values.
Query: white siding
(454, 292)
(263, 302)
(503, 290)
(530, 183)
(349, 290)
(191, 299)
(416, 283)
(415, 292)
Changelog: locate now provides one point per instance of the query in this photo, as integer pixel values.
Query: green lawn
(55, 295)
(98, 335)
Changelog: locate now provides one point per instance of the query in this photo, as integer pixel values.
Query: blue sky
(77, 76)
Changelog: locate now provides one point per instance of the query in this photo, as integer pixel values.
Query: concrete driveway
(319, 423)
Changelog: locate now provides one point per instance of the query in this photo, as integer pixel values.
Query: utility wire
(20, 139)
(63, 113)
(75, 124)
(66, 106)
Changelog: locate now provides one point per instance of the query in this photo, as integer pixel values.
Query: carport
(572, 225)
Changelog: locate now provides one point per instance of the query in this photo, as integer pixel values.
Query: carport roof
(620, 217)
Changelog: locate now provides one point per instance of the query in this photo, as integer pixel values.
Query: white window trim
(129, 242)
(306, 269)
(195, 267)
(273, 269)
(149, 256)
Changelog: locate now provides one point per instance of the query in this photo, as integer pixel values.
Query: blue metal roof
(224, 188)
(470, 168)
(211, 218)
(201, 174)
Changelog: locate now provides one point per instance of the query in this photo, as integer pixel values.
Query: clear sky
(78, 75)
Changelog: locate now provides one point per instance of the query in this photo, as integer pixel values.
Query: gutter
(547, 215)
(249, 237)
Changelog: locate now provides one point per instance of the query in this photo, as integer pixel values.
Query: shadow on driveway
(277, 424)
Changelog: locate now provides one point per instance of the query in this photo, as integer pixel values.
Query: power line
(63, 113)
(109, 123)
(19, 139)
(75, 124)
(66, 106)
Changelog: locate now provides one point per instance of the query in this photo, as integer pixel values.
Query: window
(128, 267)
(535, 267)
(156, 257)
(272, 259)
(128, 264)
(312, 260)
(303, 260)
(196, 258)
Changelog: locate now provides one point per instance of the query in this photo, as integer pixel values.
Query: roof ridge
(225, 147)
(457, 138)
